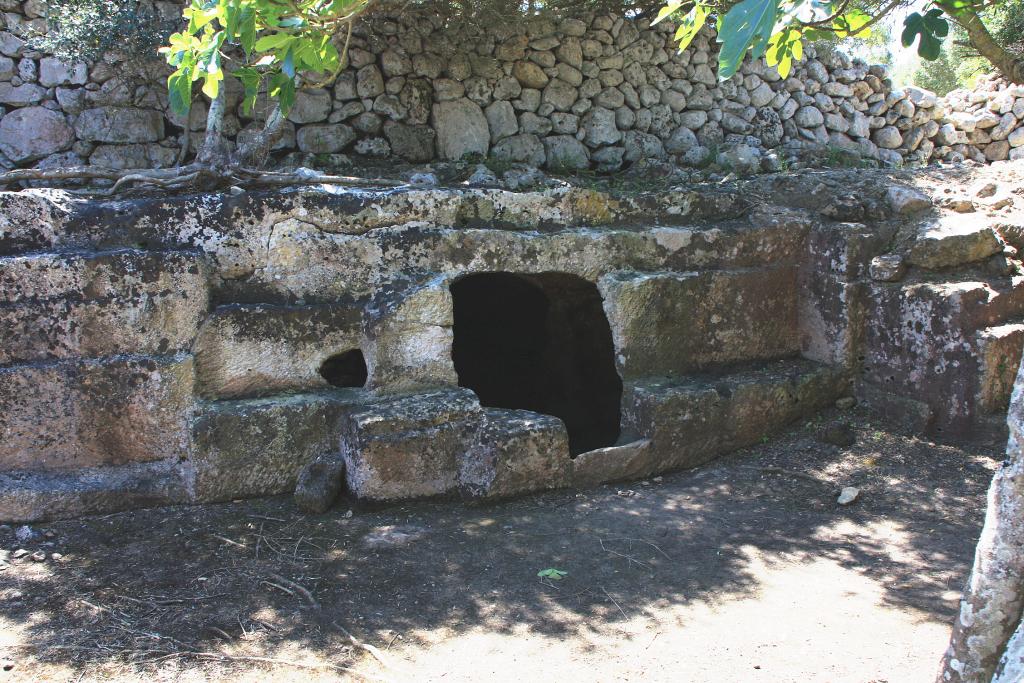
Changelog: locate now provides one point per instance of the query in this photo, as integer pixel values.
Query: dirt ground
(744, 570)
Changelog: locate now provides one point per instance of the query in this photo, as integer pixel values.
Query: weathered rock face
(472, 342)
(409, 447)
(674, 324)
(258, 447)
(419, 81)
(461, 129)
(320, 482)
(66, 306)
(91, 413)
(955, 241)
(690, 422)
(34, 133)
(120, 125)
(516, 449)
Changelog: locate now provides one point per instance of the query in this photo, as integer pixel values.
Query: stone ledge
(256, 447)
(954, 240)
(250, 350)
(518, 451)
(690, 421)
(614, 463)
(37, 496)
(410, 446)
(922, 343)
(999, 351)
(88, 413)
(679, 323)
(86, 306)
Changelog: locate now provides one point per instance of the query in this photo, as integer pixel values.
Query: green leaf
(959, 7)
(690, 25)
(273, 41)
(813, 35)
(783, 48)
(852, 24)
(552, 573)
(747, 25)
(667, 11)
(211, 83)
(939, 26)
(329, 55)
(247, 30)
(282, 88)
(199, 18)
(179, 90)
(930, 27)
(250, 80)
(288, 63)
(232, 13)
(340, 7)
(211, 70)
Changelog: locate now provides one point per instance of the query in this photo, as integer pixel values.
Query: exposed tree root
(195, 176)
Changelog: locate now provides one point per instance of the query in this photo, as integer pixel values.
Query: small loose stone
(848, 495)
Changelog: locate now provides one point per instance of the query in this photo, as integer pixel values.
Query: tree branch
(194, 177)
(1009, 64)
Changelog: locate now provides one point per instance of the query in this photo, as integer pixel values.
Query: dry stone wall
(594, 91)
(986, 123)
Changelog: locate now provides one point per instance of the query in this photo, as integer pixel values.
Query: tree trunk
(254, 153)
(983, 640)
(214, 150)
(1009, 64)
(1011, 666)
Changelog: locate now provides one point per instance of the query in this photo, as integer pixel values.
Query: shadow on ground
(137, 590)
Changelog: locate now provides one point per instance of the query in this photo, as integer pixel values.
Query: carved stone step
(691, 420)
(256, 447)
(60, 306)
(38, 496)
(89, 413)
(954, 239)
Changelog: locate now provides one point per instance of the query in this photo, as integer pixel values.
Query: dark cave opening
(346, 369)
(540, 343)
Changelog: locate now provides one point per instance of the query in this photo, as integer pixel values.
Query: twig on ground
(229, 541)
(629, 558)
(302, 590)
(373, 651)
(96, 607)
(222, 633)
(789, 473)
(609, 596)
(171, 601)
(280, 588)
(152, 635)
(640, 540)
